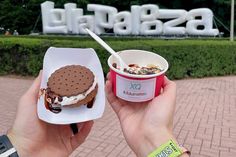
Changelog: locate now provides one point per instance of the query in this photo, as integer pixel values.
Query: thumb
(169, 89)
(34, 89)
(32, 93)
(112, 99)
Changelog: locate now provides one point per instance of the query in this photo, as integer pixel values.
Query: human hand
(146, 125)
(33, 137)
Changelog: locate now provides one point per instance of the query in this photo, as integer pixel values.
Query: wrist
(18, 144)
(153, 140)
(6, 147)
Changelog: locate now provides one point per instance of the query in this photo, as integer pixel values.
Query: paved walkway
(205, 120)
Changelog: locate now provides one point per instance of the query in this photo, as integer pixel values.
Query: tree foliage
(25, 15)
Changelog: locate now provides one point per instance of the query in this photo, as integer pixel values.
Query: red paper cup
(137, 88)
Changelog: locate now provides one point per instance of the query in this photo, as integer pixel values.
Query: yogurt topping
(141, 70)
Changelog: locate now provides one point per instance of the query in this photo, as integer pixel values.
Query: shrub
(187, 58)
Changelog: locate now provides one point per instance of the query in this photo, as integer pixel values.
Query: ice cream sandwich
(70, 86)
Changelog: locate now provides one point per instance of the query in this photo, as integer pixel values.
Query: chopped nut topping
(137, 70)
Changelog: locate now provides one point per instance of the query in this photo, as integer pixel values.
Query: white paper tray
(56, 58)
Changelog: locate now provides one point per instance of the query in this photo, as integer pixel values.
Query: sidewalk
(205, 120)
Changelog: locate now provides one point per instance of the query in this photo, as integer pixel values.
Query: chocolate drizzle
(49, 101)
(55, 107)
(60, 99)
(90, 104)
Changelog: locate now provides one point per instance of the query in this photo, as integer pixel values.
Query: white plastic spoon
(108, 48)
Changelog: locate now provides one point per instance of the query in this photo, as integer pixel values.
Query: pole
(232, 21)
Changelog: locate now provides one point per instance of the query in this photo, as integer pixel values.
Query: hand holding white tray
(56, 58)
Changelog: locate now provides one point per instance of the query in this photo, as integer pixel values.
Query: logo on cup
(135, 86)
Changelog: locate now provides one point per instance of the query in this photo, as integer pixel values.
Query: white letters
(150, 24)
(86, 21)
(142, 20)
(53, 21)
(206, 21)
(123, 24)
(149, 12)
(104, 17)
(178, 16)
(69, 7)
(135, 14)
(76, 14)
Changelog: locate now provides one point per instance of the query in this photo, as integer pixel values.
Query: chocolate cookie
(88, 99)
(71, 80)
(70, 86)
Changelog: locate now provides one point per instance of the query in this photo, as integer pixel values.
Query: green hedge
(187, 58)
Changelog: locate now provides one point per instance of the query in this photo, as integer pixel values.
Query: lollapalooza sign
(141, 20)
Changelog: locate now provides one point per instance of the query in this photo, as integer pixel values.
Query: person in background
(7, 33)
(15, 32)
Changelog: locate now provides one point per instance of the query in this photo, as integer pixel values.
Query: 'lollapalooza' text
(146, 19)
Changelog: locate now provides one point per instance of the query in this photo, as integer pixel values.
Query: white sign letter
(150, 24)
(206, 21)
(53, 19)
(178, 16)
(135, 14)
(104, 17)
(69, 8)
(123, 23)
